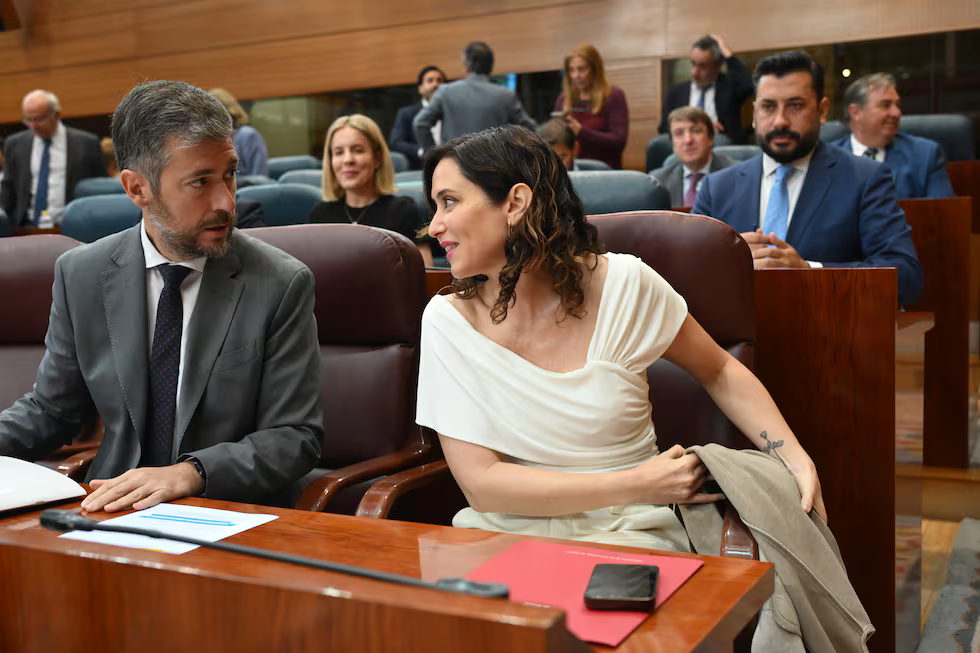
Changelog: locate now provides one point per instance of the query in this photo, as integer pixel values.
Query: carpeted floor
(953, 623)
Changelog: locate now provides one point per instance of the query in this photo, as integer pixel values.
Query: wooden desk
(33, 231)
(59, 594)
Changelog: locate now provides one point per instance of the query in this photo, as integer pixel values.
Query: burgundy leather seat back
(711, 267)
(370, 293)
(26, 276)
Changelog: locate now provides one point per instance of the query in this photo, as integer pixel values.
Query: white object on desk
(208, 524)
(25, 484)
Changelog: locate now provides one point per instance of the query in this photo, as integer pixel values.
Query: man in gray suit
(692, 135)
(471, 104)
(195, 343)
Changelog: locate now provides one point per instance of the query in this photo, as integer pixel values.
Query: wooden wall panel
(90, 51)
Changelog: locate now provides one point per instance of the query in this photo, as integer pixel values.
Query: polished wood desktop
(62, 595)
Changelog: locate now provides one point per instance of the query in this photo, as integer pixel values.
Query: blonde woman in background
(594, 109)
(358, 182)
(253, 156)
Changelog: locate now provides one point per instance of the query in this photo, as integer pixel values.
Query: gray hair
(857, 92)
(54, 105)
(155, 114)
(709, 44)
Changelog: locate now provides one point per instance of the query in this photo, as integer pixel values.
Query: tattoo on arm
(772, 446)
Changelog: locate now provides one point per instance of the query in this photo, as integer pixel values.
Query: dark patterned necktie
(871, 152)
(164, 368)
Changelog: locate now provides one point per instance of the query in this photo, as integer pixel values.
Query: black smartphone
(622, 587)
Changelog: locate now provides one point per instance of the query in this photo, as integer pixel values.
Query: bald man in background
(43, 163)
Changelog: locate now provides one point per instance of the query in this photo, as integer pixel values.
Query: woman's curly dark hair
(553, 233)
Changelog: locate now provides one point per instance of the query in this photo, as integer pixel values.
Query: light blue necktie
(701, 97)
(777, 211)
(41, 197)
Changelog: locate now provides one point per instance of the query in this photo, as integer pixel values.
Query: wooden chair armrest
(736, 539)
(75, 467)
(318, 494)
(381, 496)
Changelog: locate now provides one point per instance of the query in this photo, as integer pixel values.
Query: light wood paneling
(91, 51)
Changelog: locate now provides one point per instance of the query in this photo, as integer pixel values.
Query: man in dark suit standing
(195, 343)
(43, 164)
(692, 135)
(402, 138)
(718, 94)
(803, 203)
(873, 111)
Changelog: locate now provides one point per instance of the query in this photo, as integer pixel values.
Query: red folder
(555, 575)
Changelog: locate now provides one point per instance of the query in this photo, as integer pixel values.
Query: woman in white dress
(533, 372)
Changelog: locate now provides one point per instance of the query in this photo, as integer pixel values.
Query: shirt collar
(425, 102)
(704, 170)
(769, 164)
(58, 133)
(153, 257)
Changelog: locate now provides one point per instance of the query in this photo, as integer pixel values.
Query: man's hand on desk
(768, 251)
(144, 487)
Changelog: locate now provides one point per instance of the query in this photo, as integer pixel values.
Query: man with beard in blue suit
(803, 203)
(873, 112)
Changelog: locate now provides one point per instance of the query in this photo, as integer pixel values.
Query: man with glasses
(43, 164)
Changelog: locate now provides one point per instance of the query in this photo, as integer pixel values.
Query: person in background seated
(873, 112)
(692, 135)
(594, 109)
(44, 163)
(561, 138)
(537, 391)
(402, 137)
(804, 203)
(195, 343)
(471, 104)
(253, 156)
(358, 182)
(718, 94)
(109, 154)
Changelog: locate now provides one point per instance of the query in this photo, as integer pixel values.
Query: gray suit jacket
(466, 106)
(84, 160)
(672, 177)
(250, 407)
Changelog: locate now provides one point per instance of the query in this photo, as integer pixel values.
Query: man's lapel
(124, 300)
(748, 181)
(217, 301)
(815, 187)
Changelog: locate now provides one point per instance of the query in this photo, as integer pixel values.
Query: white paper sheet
(191, 521)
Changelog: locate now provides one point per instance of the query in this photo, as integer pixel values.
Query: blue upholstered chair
(399, 161)
(408, 175)
(283, 204)
(245, 181)
(832, 130)
(614, 191)
(98, 186)
(954, 132)
(591, 164)
(87, 219)
(658, 149)
(739, 152)
(305, 177)
(280, 164)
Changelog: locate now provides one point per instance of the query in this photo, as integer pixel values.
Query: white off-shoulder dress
(591, 420)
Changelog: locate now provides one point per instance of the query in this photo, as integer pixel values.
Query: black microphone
(66, 520)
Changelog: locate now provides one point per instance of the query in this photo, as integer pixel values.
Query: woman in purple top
(594, 109)
(253, 156)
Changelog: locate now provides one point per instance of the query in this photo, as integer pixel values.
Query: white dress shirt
(709, 100)
(859, 148)
(154, 287)
(688, 172)
(436, 130)
(57, 173)
(794, 184)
